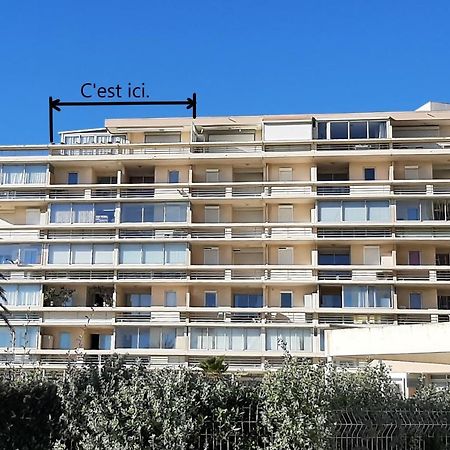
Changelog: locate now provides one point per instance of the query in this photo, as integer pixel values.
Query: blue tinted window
(210, 299)
(72, 178)
(248, 300)
(286, 300)
(415, 300)
(330, 301)
(369, 174)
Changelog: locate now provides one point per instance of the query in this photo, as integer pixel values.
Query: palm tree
(215, 365)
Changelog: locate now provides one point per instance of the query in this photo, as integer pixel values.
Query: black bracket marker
(56, 104)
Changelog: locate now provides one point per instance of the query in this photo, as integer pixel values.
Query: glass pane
(253, 339)
(153, 253)
(369, 174)
(30, 254)
(358, 130)
(81, 254)
(13, 174)
(329, 211)
(286, 299)
(339, 130)
(176, 212)
(170, 298)
(103, 254)
(210, 299)
(130, 254)
(175, 253)
(61, 213)
(321, 130)
(355, 296)
(58, 254)
(174, 176)
(168, 337)
(104, 342)
(377, 130)
(104, 212)
(36, 174)
(382, 297)
(83, 213)
(131, 212)
(237, 339)
(354, 211)
(415, 300)
(65, 340)
(378, 211)
(72, 178)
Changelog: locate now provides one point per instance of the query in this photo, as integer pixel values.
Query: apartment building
(175, 239)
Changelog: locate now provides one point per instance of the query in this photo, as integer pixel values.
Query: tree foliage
(134, 407)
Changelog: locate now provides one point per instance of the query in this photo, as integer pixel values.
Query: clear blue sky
(240, 56)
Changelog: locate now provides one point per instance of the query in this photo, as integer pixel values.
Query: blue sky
(240, 56)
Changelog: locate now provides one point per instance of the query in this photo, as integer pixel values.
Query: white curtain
(103, 254)
(253, 339)
(61, 213)
(10, 294)
(58, 254)
(355, 296)
(83, 212)
(271, 338)
(13, 174)
(28, 294)
(153, 253)
(35, 174)
(237, 339)
(81, 254)
(27, 336)
(130, 254)
(175, 253)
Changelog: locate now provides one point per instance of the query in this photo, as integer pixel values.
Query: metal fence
(363, 430)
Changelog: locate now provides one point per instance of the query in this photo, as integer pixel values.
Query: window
(411, 172)
(234, 339)
(248, 301)
(286, 255)
(211, 214)
(25, 336)
(369, 174)
(142, 337)
(107, 180)
(72, 178)
(285, 213)
(212, 175)
(361, 129)
(415, 300)
(211, 299)
(339, 130)
(285, 174)
(372, 255)
(367, 297)
(153, 212)
(286, 299)
(294, 338)
(65, 340)
(24, 174)
(321, 130)
(20, 254)
(333, 257)
(64, 254)
(414, 258)
(82, 213)
(358, 130)
(351, 211)
(211, 256)
(170, 298)
(139, 300)
(22, 294)
(174, 176)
